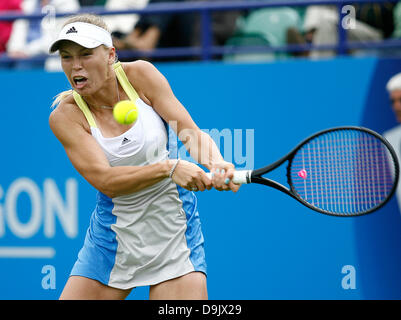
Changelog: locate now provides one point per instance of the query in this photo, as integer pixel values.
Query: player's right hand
(191, 177)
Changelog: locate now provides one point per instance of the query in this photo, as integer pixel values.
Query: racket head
(343, 171)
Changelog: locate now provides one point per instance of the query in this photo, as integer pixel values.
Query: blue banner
(260, 244)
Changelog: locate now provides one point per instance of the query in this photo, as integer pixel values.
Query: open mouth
(79, 81)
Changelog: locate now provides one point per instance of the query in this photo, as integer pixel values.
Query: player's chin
(83, 91)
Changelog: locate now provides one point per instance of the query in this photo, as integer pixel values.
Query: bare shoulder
(66, 116)
(143, 73)
(63, 112)
(139, 67)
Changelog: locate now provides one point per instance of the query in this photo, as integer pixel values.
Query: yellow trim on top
(84, 108)
(125, 84)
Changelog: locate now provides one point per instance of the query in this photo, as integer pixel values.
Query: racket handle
(240, 176)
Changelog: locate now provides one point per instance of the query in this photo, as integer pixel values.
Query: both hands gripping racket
(344, 171)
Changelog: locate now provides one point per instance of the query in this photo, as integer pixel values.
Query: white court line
(27, 252)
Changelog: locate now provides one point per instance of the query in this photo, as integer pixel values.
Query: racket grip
(240, 176)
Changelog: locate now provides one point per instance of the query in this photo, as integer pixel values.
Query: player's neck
(106, 97)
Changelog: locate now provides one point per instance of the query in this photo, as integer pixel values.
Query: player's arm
(88, 158)
(155, 88)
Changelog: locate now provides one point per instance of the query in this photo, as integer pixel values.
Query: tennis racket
(344, 171)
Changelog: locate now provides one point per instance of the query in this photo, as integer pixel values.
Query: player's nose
(76, 63)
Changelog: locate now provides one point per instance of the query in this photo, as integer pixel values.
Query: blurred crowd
(24, 43)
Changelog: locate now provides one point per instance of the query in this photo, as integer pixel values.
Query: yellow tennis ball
(125, 112)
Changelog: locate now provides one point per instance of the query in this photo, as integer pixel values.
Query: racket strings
(344, 172)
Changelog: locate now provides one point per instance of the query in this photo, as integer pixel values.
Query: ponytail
(60, 97)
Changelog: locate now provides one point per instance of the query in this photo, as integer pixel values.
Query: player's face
(395, 97)
(86, 69)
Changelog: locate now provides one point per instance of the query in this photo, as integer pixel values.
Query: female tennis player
(145, 229)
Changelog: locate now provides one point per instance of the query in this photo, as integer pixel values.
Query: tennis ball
(125, 112)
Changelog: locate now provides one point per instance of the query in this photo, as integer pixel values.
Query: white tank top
(149, 225)
(144, 143)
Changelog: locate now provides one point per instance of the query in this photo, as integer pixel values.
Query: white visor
(85, 34)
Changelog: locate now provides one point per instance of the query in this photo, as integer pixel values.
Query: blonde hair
(87, 18)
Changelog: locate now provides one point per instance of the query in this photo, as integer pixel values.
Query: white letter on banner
(66, 212)
(32, 226)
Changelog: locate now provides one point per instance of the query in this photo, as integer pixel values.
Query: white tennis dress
(148, 236)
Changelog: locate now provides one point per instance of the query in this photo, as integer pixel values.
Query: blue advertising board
(260, 244)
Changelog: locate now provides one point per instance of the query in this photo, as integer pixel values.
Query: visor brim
(82, 41)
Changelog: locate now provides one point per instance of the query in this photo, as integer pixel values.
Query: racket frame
(256, 175)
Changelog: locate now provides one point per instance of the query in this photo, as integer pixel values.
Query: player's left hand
(222, 175)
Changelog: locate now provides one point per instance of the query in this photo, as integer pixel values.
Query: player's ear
(112, 55)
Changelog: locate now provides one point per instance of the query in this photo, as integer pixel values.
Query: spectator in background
(394, 90)
(372, 22)
(6, 26)
(397, 21)
(223, 26)
(91, 3)
(158, 31)
(377, 15)
(175, 30)
(123, 24)
(393, 135)
(120, 24)
(31, 38)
